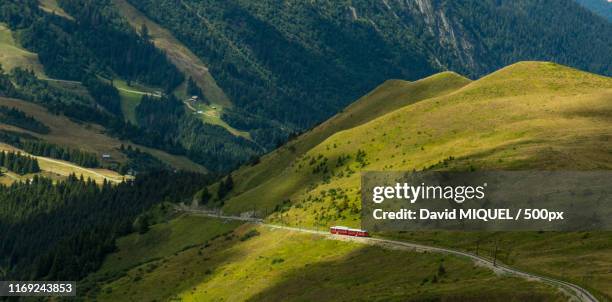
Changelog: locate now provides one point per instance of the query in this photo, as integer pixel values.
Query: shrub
(250, 234)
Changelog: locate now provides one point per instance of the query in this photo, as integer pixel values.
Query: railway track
(576, 292)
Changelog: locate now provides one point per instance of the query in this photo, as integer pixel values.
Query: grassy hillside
(131, 97)
(163, 240)
(86, 137)
(583, 258)
(530, 115)
(58, 169)
(12, 55)
(272, 265)
(389, 96)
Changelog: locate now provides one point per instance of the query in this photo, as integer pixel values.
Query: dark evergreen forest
(18, 118)
(62, 231)
(81, 158)
(19, 163)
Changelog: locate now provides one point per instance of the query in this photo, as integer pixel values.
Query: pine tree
(225, 187)
(35, 166)
(144, 32)
(229, 183)
(205, 196)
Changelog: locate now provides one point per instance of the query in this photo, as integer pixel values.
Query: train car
(341, 230)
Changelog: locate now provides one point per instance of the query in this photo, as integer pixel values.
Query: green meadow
(263, 264)
(530, 115)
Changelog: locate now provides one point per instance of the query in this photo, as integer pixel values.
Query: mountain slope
(52, 7)
(257, 263)
(90, 138)
(316, 57)
(530, 115)
(13, 55)
(517, 114)
(180, 55)
(320, 55)
(387, 97)
(59, 169)
(100, 48)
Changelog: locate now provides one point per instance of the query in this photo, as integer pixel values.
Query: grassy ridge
(530, 115)
(389, 96)
(273, 265)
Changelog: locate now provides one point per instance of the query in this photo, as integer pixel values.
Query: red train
(340, 230)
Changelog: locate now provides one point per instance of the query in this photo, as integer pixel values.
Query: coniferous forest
(63, 230)
(40, 148)
(100, 40)
(19, 163)
(18, 118)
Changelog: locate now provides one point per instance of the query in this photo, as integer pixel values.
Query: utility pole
(495, 255)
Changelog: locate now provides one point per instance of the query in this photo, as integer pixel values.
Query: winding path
(571, 289)
(154, 94)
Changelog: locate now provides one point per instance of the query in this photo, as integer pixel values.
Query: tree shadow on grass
(377, 274)
(163, 279)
